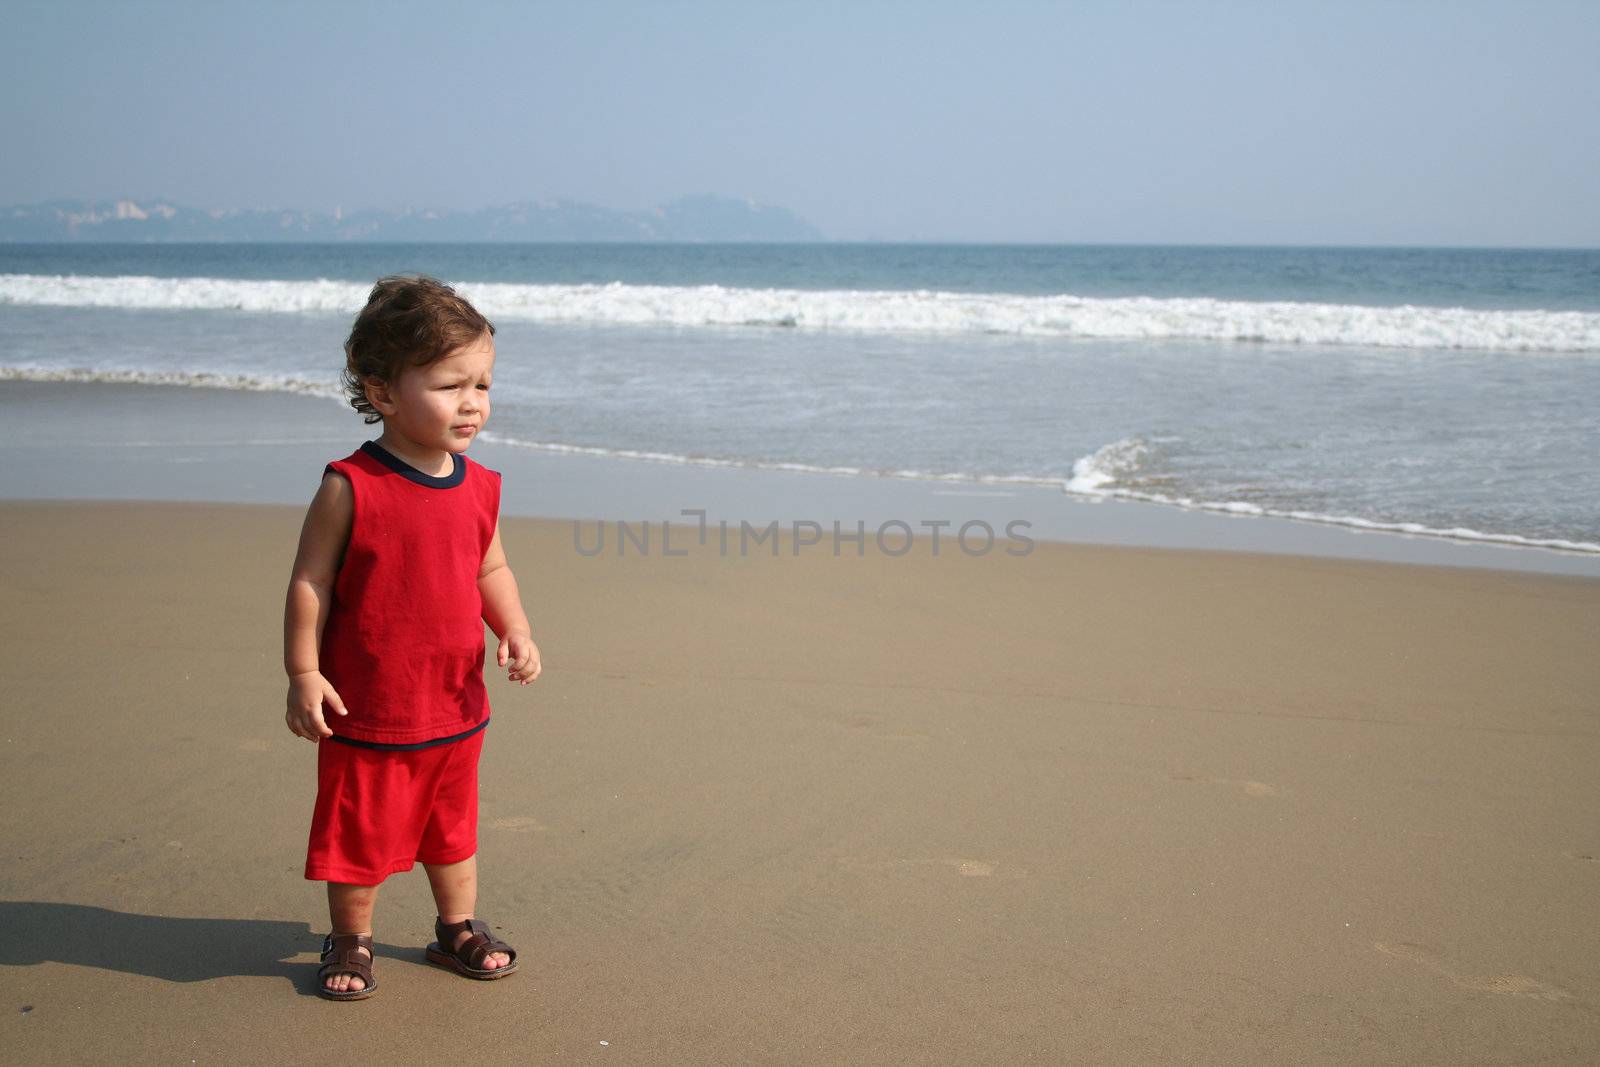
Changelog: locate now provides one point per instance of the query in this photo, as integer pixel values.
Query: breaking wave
(867, 311)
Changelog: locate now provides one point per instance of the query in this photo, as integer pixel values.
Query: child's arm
(322, 543)
(502, 610)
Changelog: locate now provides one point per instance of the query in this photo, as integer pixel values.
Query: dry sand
(1086, 805)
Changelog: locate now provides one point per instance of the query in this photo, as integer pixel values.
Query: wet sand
(1087, 804)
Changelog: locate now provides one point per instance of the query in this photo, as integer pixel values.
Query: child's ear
(378, 396)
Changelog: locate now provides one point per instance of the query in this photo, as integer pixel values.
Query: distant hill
(689, 218)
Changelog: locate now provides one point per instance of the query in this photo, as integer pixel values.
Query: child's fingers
(334, 701)
(500, 653)
(299, 725)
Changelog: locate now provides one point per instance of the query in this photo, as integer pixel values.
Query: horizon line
(910, 242)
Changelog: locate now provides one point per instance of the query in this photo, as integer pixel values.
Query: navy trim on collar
(406, 470)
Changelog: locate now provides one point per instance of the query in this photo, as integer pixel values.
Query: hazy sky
(1339, 122)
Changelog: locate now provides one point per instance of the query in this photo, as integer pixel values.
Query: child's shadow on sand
(179, 950)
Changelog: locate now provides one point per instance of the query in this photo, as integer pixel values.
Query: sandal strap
(475, 949)
(341, 955)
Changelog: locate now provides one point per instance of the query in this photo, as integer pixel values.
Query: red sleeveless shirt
(403, 642)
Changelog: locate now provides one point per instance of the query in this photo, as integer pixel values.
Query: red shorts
(379, 811)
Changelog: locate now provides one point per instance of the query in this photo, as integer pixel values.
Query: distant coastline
(704, 218)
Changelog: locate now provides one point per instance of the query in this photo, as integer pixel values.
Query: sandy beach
(1088, 804)
(1059, 534)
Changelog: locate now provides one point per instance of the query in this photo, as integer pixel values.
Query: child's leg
(455, 891)
(350, 911)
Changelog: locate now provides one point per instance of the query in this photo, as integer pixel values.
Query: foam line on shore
(1094, 476)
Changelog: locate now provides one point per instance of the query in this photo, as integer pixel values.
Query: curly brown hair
(410, 320)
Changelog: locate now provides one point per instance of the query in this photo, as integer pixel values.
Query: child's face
(444, 404)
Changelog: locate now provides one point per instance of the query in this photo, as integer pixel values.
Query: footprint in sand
(869, 725)
(1515, 985)
(1251, 788)
(966, 868)
(982, 869)
(972, 868)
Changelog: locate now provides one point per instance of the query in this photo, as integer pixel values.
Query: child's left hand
(519, 653)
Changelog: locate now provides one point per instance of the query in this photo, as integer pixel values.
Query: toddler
(399, 567)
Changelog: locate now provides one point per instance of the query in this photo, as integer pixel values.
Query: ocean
(1441, 392)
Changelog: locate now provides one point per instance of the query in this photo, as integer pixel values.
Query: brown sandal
(468, 959)
(341, 955)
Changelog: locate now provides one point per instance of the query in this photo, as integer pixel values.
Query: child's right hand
(306, 693)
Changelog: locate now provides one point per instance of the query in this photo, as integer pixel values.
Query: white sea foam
(257, 383)
(1096, 475)
(916, 312)
(1093, 473)
(1093, 476)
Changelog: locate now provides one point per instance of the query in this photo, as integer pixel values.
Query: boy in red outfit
(398, 568)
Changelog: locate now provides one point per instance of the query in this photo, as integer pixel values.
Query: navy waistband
(414, 745)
